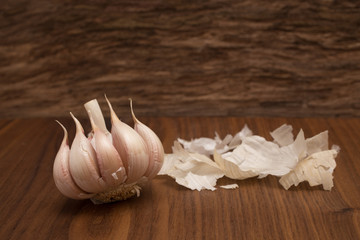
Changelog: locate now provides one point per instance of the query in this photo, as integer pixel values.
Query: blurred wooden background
(223, 58)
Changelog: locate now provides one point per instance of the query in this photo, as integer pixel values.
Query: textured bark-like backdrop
(240, 58)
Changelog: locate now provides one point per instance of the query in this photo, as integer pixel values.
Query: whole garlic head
(107, 166)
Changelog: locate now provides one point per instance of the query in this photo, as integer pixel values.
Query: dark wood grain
(31, 206)
(181, 58)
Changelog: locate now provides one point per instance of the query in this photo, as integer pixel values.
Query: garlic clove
(83, 165)
(109, 161)
(153, 143)
(61, 173)
(96, 113)
(130, 146)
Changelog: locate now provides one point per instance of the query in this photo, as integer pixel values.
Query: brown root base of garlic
(118, 193)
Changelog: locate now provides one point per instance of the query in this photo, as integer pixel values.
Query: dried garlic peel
(263, 157)
(317, 169)
(191, 170)
(230, 186)
(231, 170)
(283, 135)
(246, 155)
(206, 146)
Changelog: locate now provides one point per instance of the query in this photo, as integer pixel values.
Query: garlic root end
(119, 193)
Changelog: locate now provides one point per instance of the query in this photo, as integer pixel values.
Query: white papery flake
(262, 157)
(246, 155)
(317, 169)
(283, 135)
(230, 186)
(192, 170)
(207, 146)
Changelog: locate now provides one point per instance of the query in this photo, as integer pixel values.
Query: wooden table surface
(32, 208)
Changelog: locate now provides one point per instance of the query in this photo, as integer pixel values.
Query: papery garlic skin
(283, 135)
(83, 165)
(111, 167)
(317, 169)
(230, 186)
(61, 173)
(262, 157)
(231, 169)
(131, 147)
(154, 146)
(191, 170)
(294, 161)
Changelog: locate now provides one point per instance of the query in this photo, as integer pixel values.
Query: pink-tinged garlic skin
(132, 149)
(107, 167)
(61, 173)
(83, 165)
(110, 164)
(154, 146)
(130, 146)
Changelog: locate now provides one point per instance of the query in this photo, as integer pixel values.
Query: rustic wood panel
(241, 58)
(31, 206)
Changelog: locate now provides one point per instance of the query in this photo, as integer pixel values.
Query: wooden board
(31, 206)
(213, 58)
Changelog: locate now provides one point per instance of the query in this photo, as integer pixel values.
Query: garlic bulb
(107, 166)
